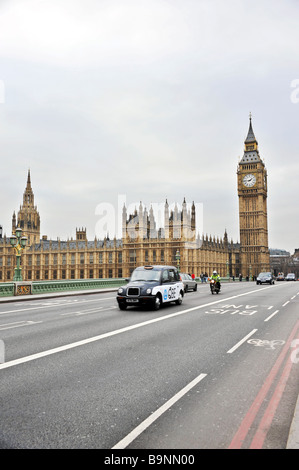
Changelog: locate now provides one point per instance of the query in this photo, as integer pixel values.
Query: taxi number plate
(132, 300)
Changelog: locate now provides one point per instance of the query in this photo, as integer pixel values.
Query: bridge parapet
(7, 289)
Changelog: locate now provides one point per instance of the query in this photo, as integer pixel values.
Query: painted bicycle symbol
(265, 342)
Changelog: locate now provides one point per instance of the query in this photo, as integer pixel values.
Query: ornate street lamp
(177, 257)
(18, 243)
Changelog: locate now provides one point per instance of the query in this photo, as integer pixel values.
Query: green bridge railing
(40, 287)
(8, 289)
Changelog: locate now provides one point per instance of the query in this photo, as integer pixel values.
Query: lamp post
(250, 272)
(177, 257)
(227, 268)
(18, 243)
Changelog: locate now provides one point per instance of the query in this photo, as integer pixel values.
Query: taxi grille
(133, 291)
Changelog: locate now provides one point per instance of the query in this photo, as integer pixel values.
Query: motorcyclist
(216, 278)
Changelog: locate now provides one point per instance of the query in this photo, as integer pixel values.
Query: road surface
(216, 372)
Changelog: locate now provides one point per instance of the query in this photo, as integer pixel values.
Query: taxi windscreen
(145, 275)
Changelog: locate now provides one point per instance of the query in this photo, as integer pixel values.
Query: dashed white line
(272, 315)
(49, 305)
(154, 416)
(17, 324)
(241, 342)
(83, 312)
(285, 303)
(88, 311)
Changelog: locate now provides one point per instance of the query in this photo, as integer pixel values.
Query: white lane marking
(83, 312)
(241, 342)
(88, 311)
(272, 315)
(17, 324)
(116, 332)
(154, 416)
(55, 305)
(285, 303)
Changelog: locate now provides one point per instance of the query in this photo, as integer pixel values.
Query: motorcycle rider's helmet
(214, 272)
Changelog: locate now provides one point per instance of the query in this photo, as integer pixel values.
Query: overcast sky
(112, 101)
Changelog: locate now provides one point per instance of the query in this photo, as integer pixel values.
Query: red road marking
(264, 426)
(243, 430)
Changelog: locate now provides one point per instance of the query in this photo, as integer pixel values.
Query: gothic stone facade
(142, 243)
(116, 258)
(253, 216)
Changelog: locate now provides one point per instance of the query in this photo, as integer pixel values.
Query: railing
(226, 279)
(7, 289)
(41, 287)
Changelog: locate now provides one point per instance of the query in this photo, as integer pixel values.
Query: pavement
(293, 439)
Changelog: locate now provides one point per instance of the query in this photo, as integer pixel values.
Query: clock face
(249, 180)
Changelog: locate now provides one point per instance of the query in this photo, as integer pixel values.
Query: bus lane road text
(232, 309)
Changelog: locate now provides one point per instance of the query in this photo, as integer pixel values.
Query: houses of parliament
(141, 243)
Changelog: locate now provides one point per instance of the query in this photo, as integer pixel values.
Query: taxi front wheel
(157, 303)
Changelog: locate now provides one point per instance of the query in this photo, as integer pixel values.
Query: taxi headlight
(148, 291)
(120, 290)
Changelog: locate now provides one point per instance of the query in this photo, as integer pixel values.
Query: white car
(290, 277)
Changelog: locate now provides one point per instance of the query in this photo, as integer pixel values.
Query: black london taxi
(151, 286)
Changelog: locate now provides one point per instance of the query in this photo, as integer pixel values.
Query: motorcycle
(214, 286)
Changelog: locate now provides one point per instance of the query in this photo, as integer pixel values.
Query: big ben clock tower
(253, 219)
